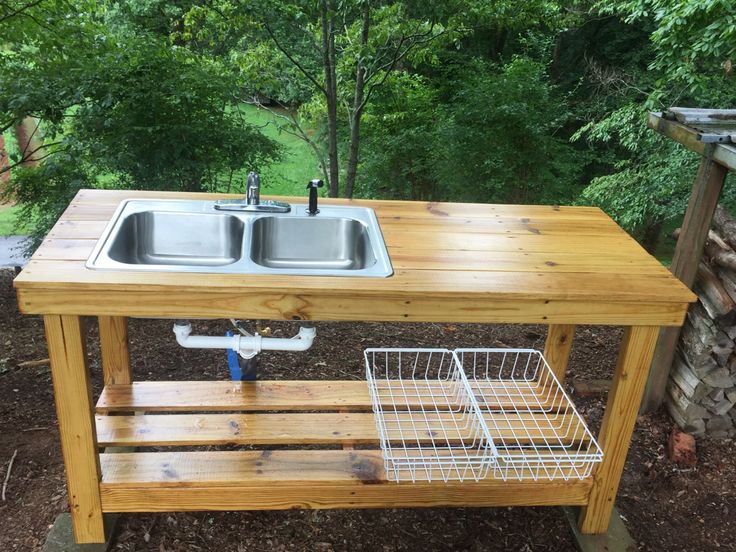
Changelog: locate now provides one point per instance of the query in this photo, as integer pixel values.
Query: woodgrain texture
(311, 429)
(622, 407)
(290, 395)
(65, 338)
(268, 480)
(557, 348)
(114, 350)
(452, 262)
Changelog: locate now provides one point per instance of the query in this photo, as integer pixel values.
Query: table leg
(635, 357)
(73, 395)
(114, 350)
(557, 348)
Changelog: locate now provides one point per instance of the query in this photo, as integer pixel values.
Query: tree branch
(18, 11)
(49, 154)
(294, 61)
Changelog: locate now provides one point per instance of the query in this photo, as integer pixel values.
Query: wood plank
(274, 480)
(422, 259)
(143, 498)
(262, 395)
(499, 285)
(328, 306)
(557, 348)
(724, 154)
(703, 200)
(620, 415)
(114, 350)
(310, 429)
(73, 397)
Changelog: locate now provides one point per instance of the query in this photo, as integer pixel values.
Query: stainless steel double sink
(192, 236)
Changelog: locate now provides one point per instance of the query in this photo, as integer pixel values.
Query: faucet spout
(253, 189)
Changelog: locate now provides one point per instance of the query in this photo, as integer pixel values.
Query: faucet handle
(315, 183)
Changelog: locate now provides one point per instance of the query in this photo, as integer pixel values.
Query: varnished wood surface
(282, 479)
(475, 260)
(294, 395)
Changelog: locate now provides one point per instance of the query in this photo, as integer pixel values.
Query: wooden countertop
(452, 263)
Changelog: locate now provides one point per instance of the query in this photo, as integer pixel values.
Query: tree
(124, 109)
(344, 50)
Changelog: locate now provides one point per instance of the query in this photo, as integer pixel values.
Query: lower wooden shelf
(286, 417)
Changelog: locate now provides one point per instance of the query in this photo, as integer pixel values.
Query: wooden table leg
(557, 348)
(114, 350)
(73, 395)
(635, 357)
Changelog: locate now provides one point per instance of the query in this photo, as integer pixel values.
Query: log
(712, 294)
(689, 410)
(725, 225)
(687, 380)
(727, 277)
(696, 426)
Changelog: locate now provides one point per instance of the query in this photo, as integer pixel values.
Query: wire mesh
(428, 420)
(536, 430)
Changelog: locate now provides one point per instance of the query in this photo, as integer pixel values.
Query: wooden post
(634, 359)
(69, 371)
(114, 350)
(557, 348)
(700, 209)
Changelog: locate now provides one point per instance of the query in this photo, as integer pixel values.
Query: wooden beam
(114, 350)
(703, 200)
(724, 154)
(72, 392)
(557, 348)
(629, 378)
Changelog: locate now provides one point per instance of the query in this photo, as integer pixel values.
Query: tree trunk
(650, 239)
(328, 53)
(4, 170)
(30, 142)
(354, 146)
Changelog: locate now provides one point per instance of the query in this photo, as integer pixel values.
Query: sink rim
(99, 259)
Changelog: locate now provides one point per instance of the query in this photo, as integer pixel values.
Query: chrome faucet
(253, 189)
(252, 203)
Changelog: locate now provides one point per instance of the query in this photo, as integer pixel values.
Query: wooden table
(559, 266)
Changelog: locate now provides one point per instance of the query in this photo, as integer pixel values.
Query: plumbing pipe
(246, 346)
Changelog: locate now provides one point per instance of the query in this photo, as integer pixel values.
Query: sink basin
(181, 239)
(192, 236)
(311, 243)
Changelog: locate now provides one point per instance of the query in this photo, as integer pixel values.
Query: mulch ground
(665, 507)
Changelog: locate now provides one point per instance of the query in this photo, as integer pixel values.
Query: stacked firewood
(701, 392)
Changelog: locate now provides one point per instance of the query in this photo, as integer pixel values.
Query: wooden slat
(311, 429)
(267, 480)
(447, 283)
(422, 259)
(218, 396)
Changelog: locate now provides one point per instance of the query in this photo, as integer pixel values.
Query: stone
(681, 448)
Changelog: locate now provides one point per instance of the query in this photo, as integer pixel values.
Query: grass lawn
(298, 166)
(6, 220)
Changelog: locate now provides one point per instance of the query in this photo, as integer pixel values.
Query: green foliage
(488, 142)
(499, 138)
(124, 110)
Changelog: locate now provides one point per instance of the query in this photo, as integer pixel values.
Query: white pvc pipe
(246, 345)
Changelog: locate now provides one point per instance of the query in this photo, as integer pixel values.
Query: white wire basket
(428, 421)
(536, 430)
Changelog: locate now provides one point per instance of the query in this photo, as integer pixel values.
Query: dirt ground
(665, 507)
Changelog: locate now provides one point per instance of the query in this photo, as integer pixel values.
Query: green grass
(7, 213)
(298, 165)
